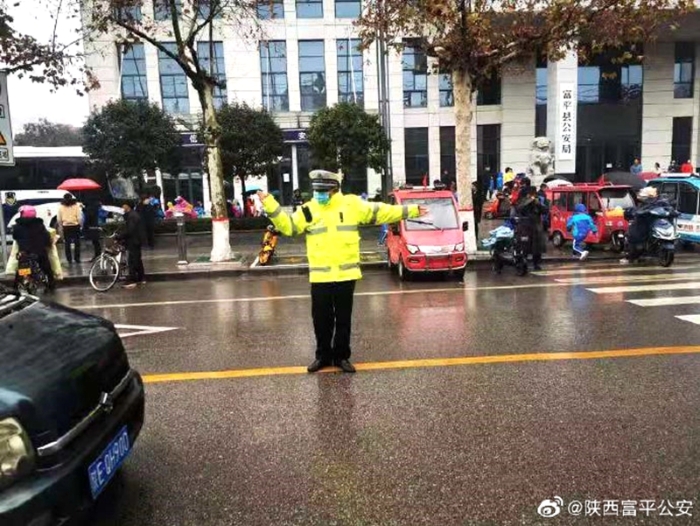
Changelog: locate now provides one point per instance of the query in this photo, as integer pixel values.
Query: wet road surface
(423, 442)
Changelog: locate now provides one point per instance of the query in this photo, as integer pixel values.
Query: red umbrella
(77, 185)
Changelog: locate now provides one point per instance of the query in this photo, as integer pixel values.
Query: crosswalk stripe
(666, 276)
(615, 270)
(666, 302)
(692, 318)
(688, 285)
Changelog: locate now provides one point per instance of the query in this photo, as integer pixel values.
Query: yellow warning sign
(3, 142)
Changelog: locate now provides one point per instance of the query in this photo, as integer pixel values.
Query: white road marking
(665, 276)
(308, 296)
(688, 285)
(692, 318)
(666, 302)
(141, 330)
(615, 270)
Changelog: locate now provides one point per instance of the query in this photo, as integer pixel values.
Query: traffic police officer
(330, 221)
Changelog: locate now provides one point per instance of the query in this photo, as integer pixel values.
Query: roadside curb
(478, 262)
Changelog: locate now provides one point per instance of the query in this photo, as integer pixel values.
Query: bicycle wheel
(104, 273)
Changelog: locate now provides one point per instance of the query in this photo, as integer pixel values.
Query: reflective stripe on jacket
(332, 235)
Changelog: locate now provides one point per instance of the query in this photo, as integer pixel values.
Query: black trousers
(136, 271)
(71, 234)
(331, 308)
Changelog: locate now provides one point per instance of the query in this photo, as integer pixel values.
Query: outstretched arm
(288, 225)
(381, 213)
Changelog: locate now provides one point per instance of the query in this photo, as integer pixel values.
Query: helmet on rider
(27, 211)
(648, 192)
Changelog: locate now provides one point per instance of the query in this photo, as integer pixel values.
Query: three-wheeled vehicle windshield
(613, 198)
(441, 215)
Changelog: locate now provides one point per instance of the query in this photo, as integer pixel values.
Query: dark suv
(71, 408)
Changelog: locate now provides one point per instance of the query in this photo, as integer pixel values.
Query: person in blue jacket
(580, 225)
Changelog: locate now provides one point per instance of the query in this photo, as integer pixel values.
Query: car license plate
(24, 272)
(106, 465)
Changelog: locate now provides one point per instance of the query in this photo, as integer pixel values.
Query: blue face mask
(322, 198)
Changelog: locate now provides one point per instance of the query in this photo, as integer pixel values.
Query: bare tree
(184, 22)
(474, 39)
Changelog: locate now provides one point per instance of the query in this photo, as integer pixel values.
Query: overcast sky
(30, 101)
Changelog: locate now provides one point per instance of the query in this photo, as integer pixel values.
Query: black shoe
(317, 365)
(346, 366)
(538, 267)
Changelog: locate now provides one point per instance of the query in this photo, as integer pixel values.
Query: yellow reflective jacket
(332, 235)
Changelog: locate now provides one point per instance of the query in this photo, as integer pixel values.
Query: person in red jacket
(687, 168)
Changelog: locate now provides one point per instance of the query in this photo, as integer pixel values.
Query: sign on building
(7, 157)
(566, 123)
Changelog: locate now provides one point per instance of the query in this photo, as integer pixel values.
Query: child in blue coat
(580, 225)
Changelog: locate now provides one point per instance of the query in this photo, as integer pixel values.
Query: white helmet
(648, 192)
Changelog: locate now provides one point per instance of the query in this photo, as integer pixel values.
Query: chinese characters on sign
(616, 508)
(566, 137)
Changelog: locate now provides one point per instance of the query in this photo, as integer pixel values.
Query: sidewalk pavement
(290, 257)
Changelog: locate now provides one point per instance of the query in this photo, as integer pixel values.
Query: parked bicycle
(110, 266)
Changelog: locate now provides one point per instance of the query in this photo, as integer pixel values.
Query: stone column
(562, 97)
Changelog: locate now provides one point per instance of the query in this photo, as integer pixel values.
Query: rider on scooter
(641, 221)
(33, 239)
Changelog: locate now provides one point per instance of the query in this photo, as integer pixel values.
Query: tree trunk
(221, 244)
(462, 88)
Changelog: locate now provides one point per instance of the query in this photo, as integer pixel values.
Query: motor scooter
(30, 276)
(269, 243)
(660, 242)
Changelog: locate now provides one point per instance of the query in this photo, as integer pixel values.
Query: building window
(446, 94)
(348, 8)
(309, 8)
(270, 9)
(204, 9)
(416, 154)
(128, 13)
(173, 83)
(312, 75)
(541, 97)
(588, 84)
(273, 65)
(448, 164)
(350, 79)
(541, 80)
(488, 151)
(490, 92)
(134, 83)
(161, 9)
(631, 79)
(681, 139)
(415, 76)
(684, 70)
(216, 67)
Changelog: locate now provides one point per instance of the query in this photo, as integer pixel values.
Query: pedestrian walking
(91, 226)
(580, 225)
(657, 169)
(9, 207)
(330, 221)
(687, 167)
(148, 213)
(532, 211)
(69, 221)
(133, 236)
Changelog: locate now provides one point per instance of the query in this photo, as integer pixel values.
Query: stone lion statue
(541, 160)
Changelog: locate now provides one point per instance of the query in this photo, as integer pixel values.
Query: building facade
(597, 114)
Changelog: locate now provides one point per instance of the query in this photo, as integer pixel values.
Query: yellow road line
(430, 362)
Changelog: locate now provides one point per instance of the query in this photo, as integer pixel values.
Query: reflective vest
(332, 235)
